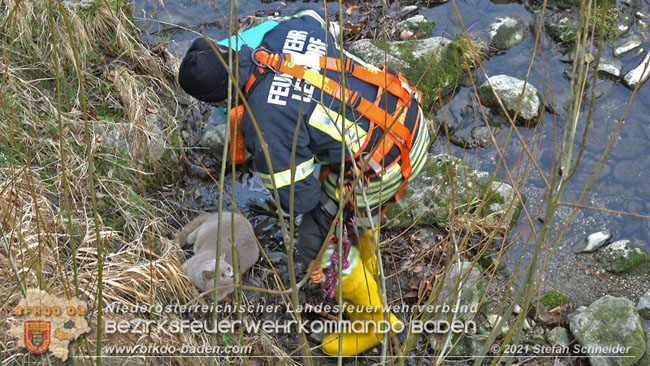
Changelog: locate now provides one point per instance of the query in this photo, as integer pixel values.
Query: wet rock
(602, 88)
(568, 74)
(439, 59)
(463, 286)
(214, 140)
(622, 256)
(594, 241)
(637, 75)
(465, 121)
(481, 136)
(478, 137)
(507, 32)
(408, 10)
(625, 21)
(611, 68)
(563, 29)
(418, 25)
(501, 205)
(643, 21)
(494, 319)
(570, 55)
(607, 323)
(644, 305)
(509, 90)
(642, 25)
(627, 44)
(448, 183)
(558, 336)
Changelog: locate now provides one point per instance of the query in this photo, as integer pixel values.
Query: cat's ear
(222, 257)
(207, 275)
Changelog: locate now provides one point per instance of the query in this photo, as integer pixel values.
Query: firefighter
(290, 74)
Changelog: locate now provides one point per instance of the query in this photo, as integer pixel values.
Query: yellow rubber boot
(368, 250)
(360, 290)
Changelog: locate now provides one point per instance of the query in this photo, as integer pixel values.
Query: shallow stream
(622, 184)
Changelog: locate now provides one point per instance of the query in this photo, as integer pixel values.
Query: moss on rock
(509, 90)
(610, 322)
(448, 185)
(553, 299)
(433, 64)
(563, 30)
(622, 256)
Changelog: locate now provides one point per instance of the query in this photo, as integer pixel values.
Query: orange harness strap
(392, 125)
(396, 85)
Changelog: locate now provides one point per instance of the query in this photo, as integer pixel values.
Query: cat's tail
(191, 226)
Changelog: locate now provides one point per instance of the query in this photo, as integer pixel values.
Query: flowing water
(622, 182)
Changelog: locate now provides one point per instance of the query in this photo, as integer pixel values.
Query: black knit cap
(202, 75)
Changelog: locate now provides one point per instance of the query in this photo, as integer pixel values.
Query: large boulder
(622, 256)
(434, 64)
(447, 183)
(509, 90)
(610, 327)
(507, 32)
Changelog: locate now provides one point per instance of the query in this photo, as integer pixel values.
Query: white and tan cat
(202, 233)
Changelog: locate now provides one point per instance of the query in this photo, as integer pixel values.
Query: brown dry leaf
(152, 110)
(352, 10)
(352, 28)
(550, 317)
(554, 316)
(560, 309)
(411, 294)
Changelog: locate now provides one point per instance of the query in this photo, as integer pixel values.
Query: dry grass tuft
(46, 220)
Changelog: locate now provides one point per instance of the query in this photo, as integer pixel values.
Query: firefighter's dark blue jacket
(279, 103)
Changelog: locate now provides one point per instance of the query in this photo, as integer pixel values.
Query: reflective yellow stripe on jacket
(384, 189)
(333, 124)
(283, 178)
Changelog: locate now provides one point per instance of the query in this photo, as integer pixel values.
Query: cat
(202, 234)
